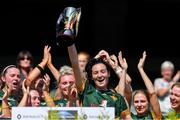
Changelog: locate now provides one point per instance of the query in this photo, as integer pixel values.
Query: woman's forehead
(67, 78)
(99, 66)
(13, 70)
(176, 89)
(140, 95)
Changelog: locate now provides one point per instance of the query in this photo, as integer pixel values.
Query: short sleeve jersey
(91, 97)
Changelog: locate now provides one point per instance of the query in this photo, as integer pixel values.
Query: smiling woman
(109, 25)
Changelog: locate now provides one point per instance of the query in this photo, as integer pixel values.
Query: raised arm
(117, 68)
(124, 87)
(122, 82)
(52, 68)
(122, 75)
(153, 97)
(39, 68)
(176, 76)
(80, 81)
(113, 62)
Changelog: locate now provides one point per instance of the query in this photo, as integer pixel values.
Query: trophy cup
(67, 26)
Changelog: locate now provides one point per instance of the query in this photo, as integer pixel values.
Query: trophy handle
(78, 19)
(58, 25)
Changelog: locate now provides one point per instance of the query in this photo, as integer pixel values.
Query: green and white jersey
(92, 97)
(11, 101)
(60, 103)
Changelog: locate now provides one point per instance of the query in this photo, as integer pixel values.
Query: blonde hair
(65, 70)
(84, 53)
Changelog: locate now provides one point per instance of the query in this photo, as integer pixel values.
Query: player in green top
(96, 91)
(175, 102)
(144, 100)
(65, 95)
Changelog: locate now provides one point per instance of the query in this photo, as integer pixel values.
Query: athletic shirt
(148, 116)
(172, 115)
(60, 103)
(92, 97)
(11, 101)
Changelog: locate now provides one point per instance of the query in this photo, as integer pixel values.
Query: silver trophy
(67, 25)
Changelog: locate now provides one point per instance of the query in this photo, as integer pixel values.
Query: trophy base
(65, 40)
(68, 40)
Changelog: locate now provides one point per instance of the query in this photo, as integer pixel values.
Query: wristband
(40, 69)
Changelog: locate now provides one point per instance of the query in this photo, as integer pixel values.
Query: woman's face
(82, 59)
(140, 104)
(34, 98)
(100, 75)
(25, 62)
(167, 73)
(12, 78)
(65, 82)
(175, 98)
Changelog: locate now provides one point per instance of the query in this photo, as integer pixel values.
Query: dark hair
(22, 54)
(89, 66)
(177, 84)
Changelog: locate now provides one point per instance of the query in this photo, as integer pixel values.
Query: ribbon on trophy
(67, 25)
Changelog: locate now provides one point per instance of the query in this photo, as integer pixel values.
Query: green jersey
(11, 101)
(148, 116)
(60, 103)
(172, 115)
(92, 97)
